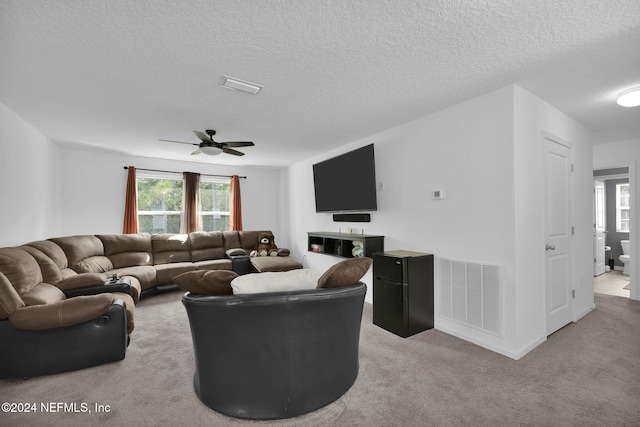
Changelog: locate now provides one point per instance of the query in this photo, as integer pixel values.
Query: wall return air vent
(470, 293)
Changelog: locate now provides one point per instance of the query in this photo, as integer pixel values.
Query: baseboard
(584, 312)
(515, 355)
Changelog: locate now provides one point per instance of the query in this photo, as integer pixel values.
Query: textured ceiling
(121, 74)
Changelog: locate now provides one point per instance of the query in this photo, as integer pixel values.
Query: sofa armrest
(240, 264)
(283, 252)
(29, 353)
(122, 284)
(235, 252)
(82, 280)
(62, 313)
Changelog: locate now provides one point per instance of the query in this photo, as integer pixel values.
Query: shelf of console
(344, 244)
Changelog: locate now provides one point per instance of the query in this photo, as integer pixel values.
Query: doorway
(612, 223)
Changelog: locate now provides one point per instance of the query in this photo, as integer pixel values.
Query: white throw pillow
(271, 281)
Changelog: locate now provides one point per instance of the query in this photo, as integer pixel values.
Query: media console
(344, 244)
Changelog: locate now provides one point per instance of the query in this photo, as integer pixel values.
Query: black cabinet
(403, 292)
(345, 245)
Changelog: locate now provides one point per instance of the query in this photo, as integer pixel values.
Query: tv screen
(346, 182)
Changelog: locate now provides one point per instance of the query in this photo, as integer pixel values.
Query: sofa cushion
(344, 273)
(206, 245)
(20, 268)
(169, 248)
(206, 282)
(52, 260)
(293, 280)
(231, 240)
(50, 271)
(10, 301)
(165, 273)
(79, 248)
(53, 251)
(127, 250)
(94, 264)
(249, 238)
(43, 293)
(214, 264)
(131, 259)
(50, 257)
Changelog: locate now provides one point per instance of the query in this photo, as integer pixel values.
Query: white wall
(29, 182)
(467, 151)
(485, 155)
(625, 153)
(47, 190)
(94, 191)
(534, 118)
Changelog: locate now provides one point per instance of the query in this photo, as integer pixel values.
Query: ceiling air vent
(241, 85)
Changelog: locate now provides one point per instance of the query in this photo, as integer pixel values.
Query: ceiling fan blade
(196, 152)
(232, 151)
(179, 142)
(238, 144)
(203, 137)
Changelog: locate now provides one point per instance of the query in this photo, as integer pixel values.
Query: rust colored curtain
(130, 223)
(191, 208)
(235, 205)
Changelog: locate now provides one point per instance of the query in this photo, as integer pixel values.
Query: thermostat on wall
(438, 194)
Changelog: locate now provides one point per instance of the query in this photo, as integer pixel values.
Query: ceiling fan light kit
(241, 85)
(211, 151)
(630, 98)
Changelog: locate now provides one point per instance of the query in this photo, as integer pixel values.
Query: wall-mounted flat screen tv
(346, 182)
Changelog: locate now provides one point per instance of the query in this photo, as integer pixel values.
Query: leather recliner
(43, 332)
(275, 355)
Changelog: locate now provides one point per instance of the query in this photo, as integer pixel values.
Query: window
(622, 208)
(160, 203)
(214, 198)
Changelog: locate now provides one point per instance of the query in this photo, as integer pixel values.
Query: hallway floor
(612, 283)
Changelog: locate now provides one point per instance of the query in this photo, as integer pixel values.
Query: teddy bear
(266, 245)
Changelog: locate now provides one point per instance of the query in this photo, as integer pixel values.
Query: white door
(557, 193)
(599, 221)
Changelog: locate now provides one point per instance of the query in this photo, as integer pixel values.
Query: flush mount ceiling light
(241, 85)
(630, 98)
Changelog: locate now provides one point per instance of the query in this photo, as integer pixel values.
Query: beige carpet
(586, 374)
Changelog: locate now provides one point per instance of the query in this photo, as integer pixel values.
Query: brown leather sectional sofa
(59, 311)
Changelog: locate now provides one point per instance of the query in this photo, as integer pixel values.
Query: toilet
(625, 256)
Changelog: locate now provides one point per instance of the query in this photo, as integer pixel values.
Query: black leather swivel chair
(275, 355)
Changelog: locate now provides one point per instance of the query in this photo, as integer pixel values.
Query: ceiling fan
(213, 148)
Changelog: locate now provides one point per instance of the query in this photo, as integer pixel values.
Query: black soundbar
(354, 217)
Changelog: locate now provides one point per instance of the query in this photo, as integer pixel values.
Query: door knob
(549, 248)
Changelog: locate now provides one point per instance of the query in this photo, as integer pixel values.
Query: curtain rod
(204, 174)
